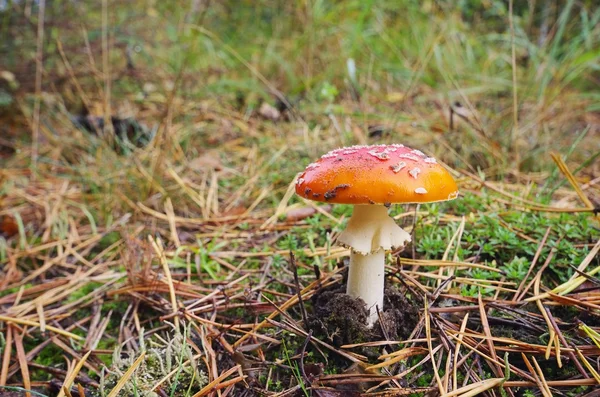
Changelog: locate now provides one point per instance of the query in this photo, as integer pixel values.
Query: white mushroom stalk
(370, 232)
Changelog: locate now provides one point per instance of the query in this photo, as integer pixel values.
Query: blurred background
(460, 78)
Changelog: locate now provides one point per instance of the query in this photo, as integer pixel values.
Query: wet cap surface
(377, 174)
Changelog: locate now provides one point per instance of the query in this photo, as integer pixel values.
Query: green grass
(295, 370)
(396, 48)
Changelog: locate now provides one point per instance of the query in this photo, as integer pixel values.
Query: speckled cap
(377, 174)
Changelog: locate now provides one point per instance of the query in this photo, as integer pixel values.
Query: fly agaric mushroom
(372, 178)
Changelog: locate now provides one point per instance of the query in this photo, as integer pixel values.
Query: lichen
(162, 357)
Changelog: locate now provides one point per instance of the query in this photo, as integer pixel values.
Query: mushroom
(372, 178)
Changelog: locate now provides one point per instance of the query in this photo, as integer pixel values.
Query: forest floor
(162, 250)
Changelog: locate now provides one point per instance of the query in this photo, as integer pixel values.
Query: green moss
(84, 291)
(502, 237)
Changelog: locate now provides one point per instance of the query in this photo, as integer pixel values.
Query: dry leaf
(269, 112)
(395, 97)
(297, 214)
(207, 161)
(8, 226)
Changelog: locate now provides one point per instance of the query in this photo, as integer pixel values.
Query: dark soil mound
(341, 319)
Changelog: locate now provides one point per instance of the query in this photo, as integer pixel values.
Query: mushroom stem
(370, 232)
(371, 229)
(366, 281)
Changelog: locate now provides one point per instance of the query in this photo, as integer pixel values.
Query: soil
(340, 319)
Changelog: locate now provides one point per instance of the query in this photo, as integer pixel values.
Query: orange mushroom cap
(377, 174)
